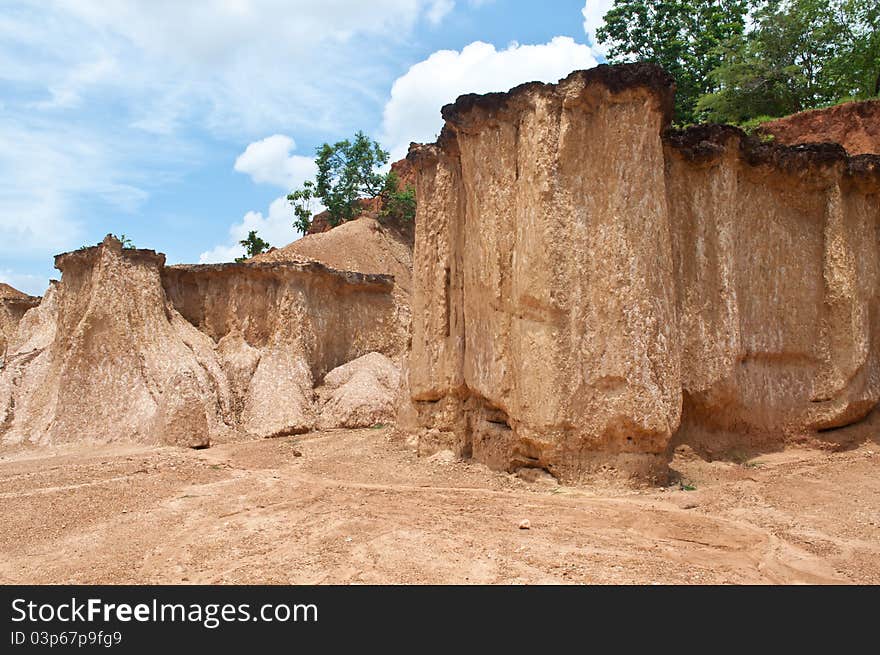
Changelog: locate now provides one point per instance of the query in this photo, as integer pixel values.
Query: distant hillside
(7, 291)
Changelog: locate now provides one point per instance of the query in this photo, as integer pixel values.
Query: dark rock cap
(616, 78)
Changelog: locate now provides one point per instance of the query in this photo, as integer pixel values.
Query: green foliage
(399, 203)
(253, 246)
(782, 66)
(125, 241)
(303, 202)
(348, 171)
(796, 55)
(683, 36)
(855, 68)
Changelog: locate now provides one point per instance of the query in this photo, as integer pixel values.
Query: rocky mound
(119, 365)
(854, 125)
(589, 288)
(7, 291)
(361, 393)
(362, 245)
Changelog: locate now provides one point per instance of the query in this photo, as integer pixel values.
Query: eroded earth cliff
(124, 348)
(588, 290)
(588, 284)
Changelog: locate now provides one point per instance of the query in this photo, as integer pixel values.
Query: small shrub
(127, 243)
(253, 246)
(753, 124)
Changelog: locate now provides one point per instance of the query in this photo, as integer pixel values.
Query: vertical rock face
(579, 279)
(544, 305)
(776, 260)
(126, 349)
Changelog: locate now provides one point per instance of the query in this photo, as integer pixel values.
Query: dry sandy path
(359, 507)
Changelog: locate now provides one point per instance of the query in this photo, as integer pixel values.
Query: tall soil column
(544, 330)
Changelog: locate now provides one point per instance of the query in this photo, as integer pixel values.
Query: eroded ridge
(124, 348)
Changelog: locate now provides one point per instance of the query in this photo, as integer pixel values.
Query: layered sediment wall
(588, 284)
(280, 327)
(776, 269)
(331, 316)
(124, 348)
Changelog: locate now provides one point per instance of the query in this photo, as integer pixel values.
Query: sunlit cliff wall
(583, 277)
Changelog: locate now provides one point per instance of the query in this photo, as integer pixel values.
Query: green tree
(683, 36)
(303, 201)
(855, 68)
(790, 61)
(347, 172)
(253, 246)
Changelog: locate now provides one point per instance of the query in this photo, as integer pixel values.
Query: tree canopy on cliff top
(737, 60)
(683, 36)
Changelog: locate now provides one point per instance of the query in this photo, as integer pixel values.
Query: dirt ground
(359, 507)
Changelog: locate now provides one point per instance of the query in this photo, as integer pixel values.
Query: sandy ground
(359, 507)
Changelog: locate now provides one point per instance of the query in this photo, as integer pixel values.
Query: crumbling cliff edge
(590, 287)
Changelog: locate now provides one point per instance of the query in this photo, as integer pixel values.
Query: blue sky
(184, 124)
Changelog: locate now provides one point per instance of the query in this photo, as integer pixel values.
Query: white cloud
(67, 93)
(269, 161)
(413, 112)
(221, 254)
(97, 95)
(594, 13)
(36, 223)
(47, 169)
(276, 227)
(438, 9)
(234, 66)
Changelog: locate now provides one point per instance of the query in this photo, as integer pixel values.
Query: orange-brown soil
(854, 125)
